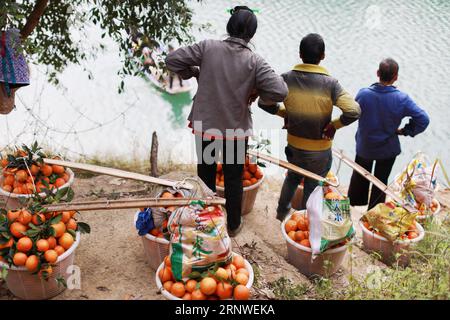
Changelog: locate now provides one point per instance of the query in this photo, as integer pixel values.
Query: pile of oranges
(424, 210)
(227, 282)
(332, 194)
(251, 175)
(410, 234)
(28, 179)
(36, 240)
(159, 232)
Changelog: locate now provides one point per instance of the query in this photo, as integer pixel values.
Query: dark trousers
(171, 80)
(358, 191)
(231, 153)
(318, 162)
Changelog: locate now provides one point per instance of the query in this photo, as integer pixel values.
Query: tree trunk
(33, 18)
(154, 155)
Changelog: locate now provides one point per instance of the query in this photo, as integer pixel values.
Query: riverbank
(113, 265)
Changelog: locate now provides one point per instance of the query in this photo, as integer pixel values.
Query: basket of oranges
(391, 251)
(24, 173)
(230, 281)
(37, 250)
(295, 230)
(252, 179)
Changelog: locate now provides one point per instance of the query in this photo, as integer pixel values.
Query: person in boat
(173, 74)
(230, 76)
(383, 107)
(308, 119)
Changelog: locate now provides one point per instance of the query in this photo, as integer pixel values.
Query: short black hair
(312, 48)
(242, 23)
(388, 69)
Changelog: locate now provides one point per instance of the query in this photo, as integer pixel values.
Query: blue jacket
(382, 111)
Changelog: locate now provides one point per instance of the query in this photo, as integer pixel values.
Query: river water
(83, 118)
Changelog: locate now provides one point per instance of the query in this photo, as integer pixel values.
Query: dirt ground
(112, 261)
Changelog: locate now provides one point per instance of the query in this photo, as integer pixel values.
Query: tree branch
(33, 18)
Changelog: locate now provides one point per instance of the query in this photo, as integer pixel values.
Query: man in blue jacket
(383, 107)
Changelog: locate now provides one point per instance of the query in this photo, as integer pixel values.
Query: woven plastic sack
(391, 221)
(417, 183)
(329, 219)
(198, 239)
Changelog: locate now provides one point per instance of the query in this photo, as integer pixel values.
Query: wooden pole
(128, 204)
(119, 173)
(291, 167)
(33, 18)
(367, 175)
(154, 155)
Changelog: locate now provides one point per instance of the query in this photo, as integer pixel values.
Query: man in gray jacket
(230, 76)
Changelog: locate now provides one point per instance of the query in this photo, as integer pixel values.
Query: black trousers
(231, 153)
(358, 191)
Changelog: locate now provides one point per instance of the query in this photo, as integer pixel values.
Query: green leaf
(72, 233)
(56, 219)
(84, 227)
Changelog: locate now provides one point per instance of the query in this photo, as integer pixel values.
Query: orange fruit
(17, 229)
(366, 225)
(412, 235)
(253, 180)
(178, 289)
(59, 228)
(19, 259)
(24, 244)
(244, 271)
(197, 294)
(252, 167)
(332, 196)
(306, 233)
(58, 169)
(221, 274)
(246, 176)
(9, 180)
(8, 244)
(208, 286)
(21, 176)
(302, 225)
(34, 169)
(167, 262)
(59, 250)
(66, 240)
(220, 184)
(165, 274)
(291, 235)
(154, 232)
(241, 278)
(305, 243)
(46, 170)
(38, 218)
(32, 263)
(187, 296)
(299, 236)
(191, 285)
(296, 216)
(59, 182)
(4, 162)
(167, 195)
(24, 217)
(246, 183)
(65, 216)
(42, 245)
(168, 285)
(17, 190)
(51, 256)
(241, 292)
(51, 242)
(290, 225)
(8, 188)
(65, 176)
(238, 261)
(258, 174)
(13, 215)
(71, 224)
(224, 290)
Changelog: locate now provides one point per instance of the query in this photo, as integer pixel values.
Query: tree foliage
(53, 41)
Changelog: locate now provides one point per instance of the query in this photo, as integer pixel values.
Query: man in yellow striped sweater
(307, 111)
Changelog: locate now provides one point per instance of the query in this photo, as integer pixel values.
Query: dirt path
(113, 265)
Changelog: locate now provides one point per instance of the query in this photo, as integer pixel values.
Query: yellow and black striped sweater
(309, 105)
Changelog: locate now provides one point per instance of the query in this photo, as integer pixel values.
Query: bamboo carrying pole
(128, 204)
(290, 166)
(367, 175)
(119, 173)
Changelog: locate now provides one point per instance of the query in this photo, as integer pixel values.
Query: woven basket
(388, 249)
(248, 196)
(169, 296)
(156, 249)
(12, 200)
(300, 256)
(29, 286)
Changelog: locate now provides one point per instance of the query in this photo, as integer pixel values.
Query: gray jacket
(229, 73)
